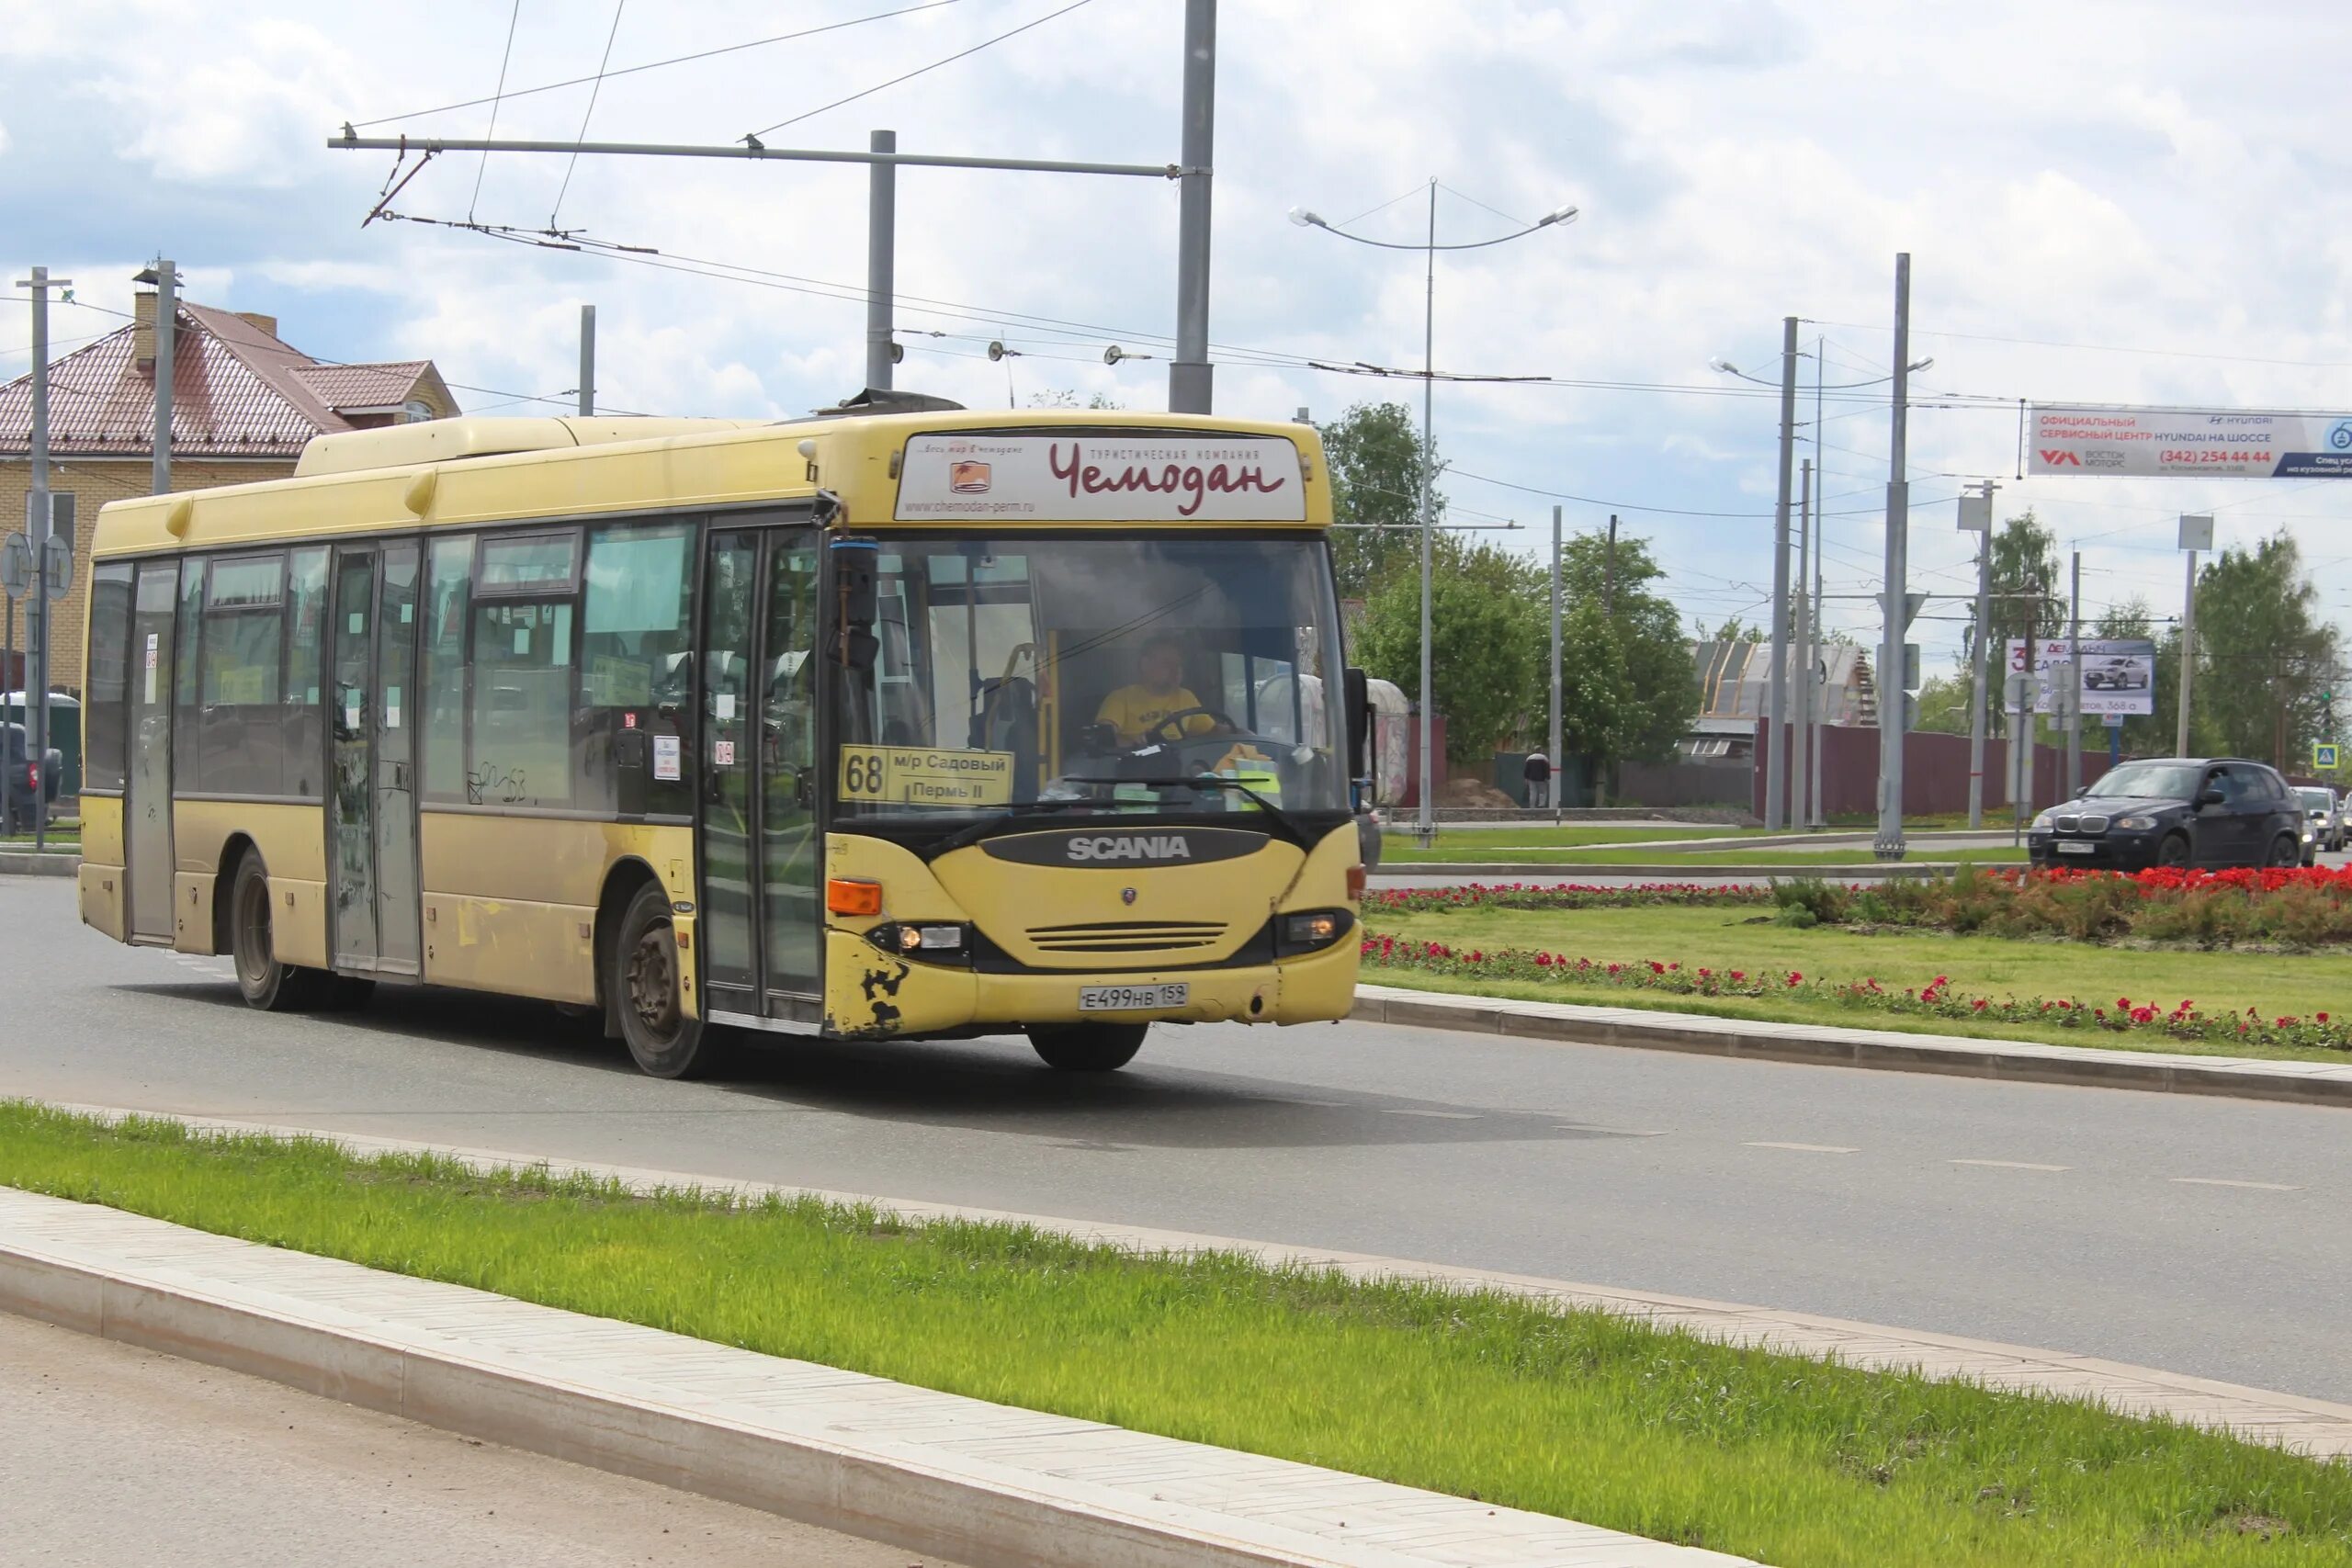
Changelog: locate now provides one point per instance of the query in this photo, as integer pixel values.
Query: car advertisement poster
(2119, 673)
(2207, 443)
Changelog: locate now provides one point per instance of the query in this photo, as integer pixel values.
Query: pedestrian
(1538, 774)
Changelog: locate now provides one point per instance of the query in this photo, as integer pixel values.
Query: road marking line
(2218, 1181)
(1806, 1148)
(1611, 1131)
(1433, 1115)
(2011, 1164)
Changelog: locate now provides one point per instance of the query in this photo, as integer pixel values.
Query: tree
(1373, 452)
(1066, 398)
(1661, 678)
(2264, 657)
(1596, 700)
(1733, 630)
(1481, 655)
(1944, 703)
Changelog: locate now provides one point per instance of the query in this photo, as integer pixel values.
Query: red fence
(1935, 773)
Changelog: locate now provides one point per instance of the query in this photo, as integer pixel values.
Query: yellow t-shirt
(1135, 712)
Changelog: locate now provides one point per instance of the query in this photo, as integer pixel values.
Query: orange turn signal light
(853, 895)
(1355, 885)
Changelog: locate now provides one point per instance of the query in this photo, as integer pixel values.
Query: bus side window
(636, 637)
(448, 590)
(525, 588)
(238, 741)
(303, 735)
(107, 716)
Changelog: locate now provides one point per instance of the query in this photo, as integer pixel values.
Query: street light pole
(1189, 374)
(1552, 756)
(1800, 725)
(1425, 827)
(881, 261)
(1776, 702)
(1889, 844)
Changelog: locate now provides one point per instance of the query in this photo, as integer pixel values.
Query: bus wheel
(663, 1040)
(265, 983)
(1087, 1047)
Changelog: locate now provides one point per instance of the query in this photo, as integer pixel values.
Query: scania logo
(1131, 846)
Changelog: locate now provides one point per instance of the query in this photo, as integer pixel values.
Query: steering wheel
(1175, 721)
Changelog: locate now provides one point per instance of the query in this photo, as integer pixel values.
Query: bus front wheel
(1087, 1047)
(264, 981)
(644, 981)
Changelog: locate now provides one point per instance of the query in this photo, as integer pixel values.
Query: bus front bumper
(881, 996)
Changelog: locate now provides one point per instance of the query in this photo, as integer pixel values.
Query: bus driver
(1136, 711)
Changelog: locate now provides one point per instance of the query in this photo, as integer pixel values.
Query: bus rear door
(371, 776)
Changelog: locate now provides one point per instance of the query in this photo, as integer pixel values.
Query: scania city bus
(901, 722)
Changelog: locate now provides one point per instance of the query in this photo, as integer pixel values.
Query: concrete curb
(929, 1472)
(2087, 1066)
(25, 863)
(2317, 1427)
(1678, 871)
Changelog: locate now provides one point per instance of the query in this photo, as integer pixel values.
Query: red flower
(2321, 1016)
(1979, 1003)
(1658, 968)
(1742, 973)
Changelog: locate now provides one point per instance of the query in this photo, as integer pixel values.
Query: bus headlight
(932, 941)
(1311, 929)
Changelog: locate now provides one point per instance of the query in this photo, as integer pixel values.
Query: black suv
(2210, 812)
(27, 783)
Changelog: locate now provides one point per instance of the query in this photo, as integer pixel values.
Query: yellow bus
(899, 722)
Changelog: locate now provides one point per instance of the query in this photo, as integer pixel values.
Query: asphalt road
(2200, 1236)
(113, 1455)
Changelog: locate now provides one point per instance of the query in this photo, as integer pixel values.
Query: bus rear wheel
(643, 979)
(264, 981)
(1087, 1047)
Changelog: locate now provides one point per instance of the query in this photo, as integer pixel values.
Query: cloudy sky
(2126, 202)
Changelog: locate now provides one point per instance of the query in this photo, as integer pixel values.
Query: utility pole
(167, 322)
(1427, 834)
(1971, 517)
(1802, 742)
(2074, 697)
(2196, 533)
(1190, 383)
(1889, 845)
(1609, 571)
(1554, 756)
(587, 360)
(1776, 702)
(881, 260)
(2027, 723)
(38, 512)
(1815, 818)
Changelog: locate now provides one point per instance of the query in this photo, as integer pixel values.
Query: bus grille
(1129, 936)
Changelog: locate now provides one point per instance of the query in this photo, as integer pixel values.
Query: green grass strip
(1787, 1460)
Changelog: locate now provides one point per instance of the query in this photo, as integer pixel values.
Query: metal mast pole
(1801, 720)
(1428, 825)
(881, 260)
(37, 520)
(1889, 844)
(1982, 695)
(1190, 383)
(1812, 543)
(2074, 697)
(587, 360)
(168, 320)
(1552, 756)
(2187, 651)
(1776, 702)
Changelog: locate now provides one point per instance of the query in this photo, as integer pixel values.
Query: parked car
(2116, 674)
(31, 788)
(2324, 809)
(2187, 811)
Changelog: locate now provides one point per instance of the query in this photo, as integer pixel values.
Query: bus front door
(371, 780)
(147, 783)
(760, 852)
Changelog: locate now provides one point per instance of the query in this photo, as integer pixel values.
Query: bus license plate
(2067, 847)
(1132, 998)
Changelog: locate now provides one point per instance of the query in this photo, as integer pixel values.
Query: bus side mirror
(855, 598)
(1359, 700)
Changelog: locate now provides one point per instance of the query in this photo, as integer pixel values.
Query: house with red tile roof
(244, 403)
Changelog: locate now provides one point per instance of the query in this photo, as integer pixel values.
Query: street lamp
(1426, 827)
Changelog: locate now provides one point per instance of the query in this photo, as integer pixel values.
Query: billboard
(2135, 442)
(2119, 673)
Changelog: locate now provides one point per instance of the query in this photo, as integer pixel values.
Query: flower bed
(1934, 999)
(2290, 906)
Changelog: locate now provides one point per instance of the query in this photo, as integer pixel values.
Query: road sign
(2325, 754)
(1911, 603)
(15, 565)
(1976, 514)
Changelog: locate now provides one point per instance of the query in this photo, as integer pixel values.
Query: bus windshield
(1083, 674)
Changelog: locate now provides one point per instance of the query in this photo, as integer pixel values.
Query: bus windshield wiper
(1274, 812)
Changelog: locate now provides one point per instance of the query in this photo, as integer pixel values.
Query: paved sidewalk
(2314, 1426)
(932, 1471)
(2304, 1083)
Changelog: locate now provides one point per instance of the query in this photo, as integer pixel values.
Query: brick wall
(94, 482)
